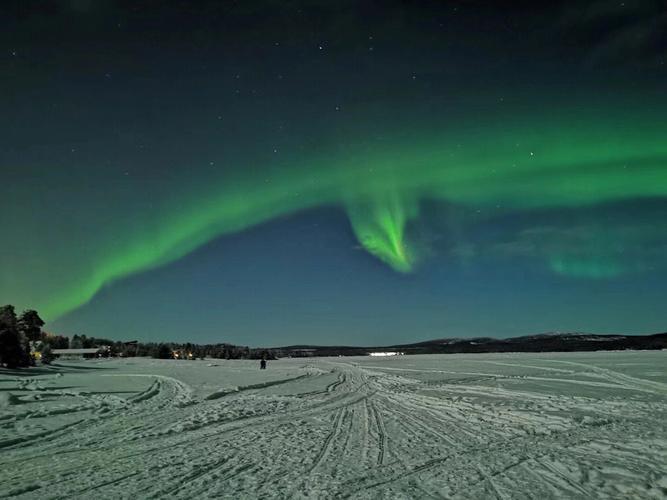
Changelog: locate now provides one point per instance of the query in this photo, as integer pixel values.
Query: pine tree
(12, 352)
(30, 324)
(162, 351)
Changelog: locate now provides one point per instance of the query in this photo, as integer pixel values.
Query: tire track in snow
(634, 383)
(326, 447)
(382, 434)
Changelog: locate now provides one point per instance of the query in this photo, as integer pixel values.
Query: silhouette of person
(262, 364)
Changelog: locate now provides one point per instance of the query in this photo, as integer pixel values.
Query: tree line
(22, 340)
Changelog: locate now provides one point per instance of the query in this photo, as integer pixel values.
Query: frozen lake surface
(575, 425)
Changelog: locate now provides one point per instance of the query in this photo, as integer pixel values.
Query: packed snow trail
(485, 426)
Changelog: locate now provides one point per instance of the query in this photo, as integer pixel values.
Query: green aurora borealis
(557, 166)
(400, 176)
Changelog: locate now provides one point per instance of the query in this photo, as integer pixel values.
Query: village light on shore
(388, 353)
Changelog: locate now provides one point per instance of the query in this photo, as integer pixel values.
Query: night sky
(349, 172)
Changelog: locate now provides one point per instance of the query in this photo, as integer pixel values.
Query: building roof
(93, 350)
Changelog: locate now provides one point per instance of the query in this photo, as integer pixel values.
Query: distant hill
(544, 342)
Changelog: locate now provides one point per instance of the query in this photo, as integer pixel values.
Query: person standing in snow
(262, 364)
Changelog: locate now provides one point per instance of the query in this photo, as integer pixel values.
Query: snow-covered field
(579, 425)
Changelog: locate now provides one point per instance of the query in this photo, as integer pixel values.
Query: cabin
(93, 352)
